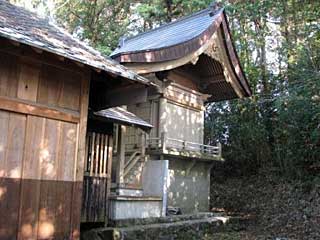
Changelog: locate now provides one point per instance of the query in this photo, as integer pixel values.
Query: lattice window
(98, 154)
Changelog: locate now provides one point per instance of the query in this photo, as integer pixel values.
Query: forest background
(278, 42)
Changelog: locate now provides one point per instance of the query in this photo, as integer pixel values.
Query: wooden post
(92, 153)
(219, 149)
(108, 173)
(162, 115)
(121, 156)
(163, 141)
(143, 144)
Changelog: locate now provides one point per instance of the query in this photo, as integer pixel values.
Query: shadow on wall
(183, 123)
(34, 209)
(39, 198)
(188, 190)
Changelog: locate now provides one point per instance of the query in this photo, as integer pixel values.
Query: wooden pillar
(121, 156)
(143, 144)
(219, 149)
(163, 141)
(80, 158)
(109, 169)
(162, 115)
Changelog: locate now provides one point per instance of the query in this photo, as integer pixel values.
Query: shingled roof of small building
(25, 27)
(122, 116)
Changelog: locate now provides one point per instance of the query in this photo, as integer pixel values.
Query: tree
(279, 126)
(100, 22)
(279, 47)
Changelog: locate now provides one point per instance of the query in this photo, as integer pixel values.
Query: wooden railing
(165, 143)
(132, 161)
(136, 156)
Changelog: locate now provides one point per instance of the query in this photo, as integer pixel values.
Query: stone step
(134, 207)
(187, 229)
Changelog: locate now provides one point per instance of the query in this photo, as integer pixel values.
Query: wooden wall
(182, 109)
(147, 111)
(181, 122)
(43, 114)
(180, 113)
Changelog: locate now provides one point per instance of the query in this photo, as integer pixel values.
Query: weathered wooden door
(97, 177)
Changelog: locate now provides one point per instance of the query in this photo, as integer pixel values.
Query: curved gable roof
(184, 37)
(171, 34)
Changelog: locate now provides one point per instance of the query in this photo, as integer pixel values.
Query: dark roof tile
(26, 27)
(122, 116)
(174, 33)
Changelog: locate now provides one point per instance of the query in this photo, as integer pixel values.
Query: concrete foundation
(122, 207)
(189, 185)
(155, 181)
(148, 202)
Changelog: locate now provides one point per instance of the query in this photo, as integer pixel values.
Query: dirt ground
(273, 208)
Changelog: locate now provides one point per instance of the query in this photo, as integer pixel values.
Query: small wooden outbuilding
(45, 79)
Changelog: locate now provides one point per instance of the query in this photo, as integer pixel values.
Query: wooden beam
(206, 81)
(196, 107)
(35, 109)
(15, 43)
(98, 70)
(37, 50)
(120, 96)
(79, 64)
(28, 54)
(61, 58)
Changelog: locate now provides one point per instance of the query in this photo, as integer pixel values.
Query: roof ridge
(28, 27)
(62, 30)
(54, 24)
(168, 24)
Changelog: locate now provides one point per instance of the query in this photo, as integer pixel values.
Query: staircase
(133, 169)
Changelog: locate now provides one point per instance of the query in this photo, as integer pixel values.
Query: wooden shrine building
(193, 61)
(48, 82)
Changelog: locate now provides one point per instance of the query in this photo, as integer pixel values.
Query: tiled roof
(177, 32)
(26, 27)
(184, 41)
(122, 116)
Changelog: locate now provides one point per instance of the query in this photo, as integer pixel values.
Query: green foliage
(279, 127)
(156, 12)
(100, 22)
(279, 47)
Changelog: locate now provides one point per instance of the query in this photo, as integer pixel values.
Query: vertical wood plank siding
(40, 187)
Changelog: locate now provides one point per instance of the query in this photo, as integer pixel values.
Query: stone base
(130, 207)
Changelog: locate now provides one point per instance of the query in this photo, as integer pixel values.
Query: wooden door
(97, 177)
